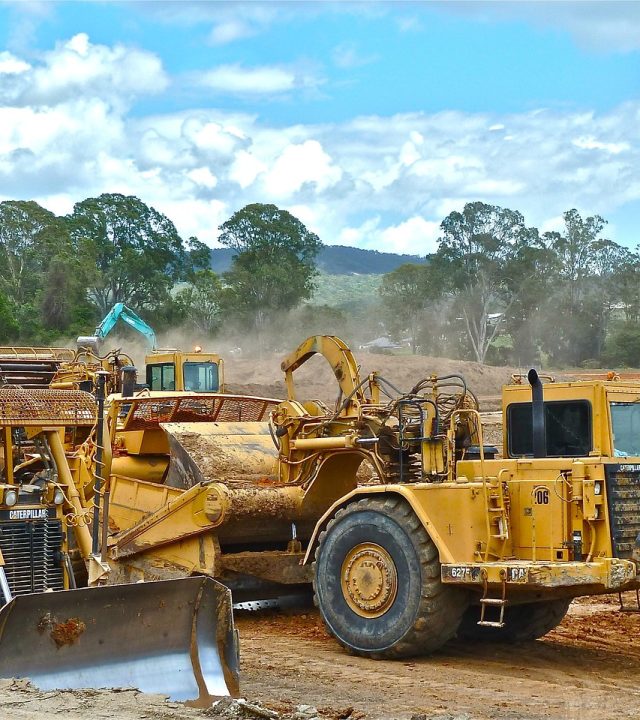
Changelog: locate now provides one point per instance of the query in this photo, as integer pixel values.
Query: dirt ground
(587, 669)
(315, 379)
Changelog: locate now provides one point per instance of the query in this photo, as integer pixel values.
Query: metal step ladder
(492, 602)
(497, 521)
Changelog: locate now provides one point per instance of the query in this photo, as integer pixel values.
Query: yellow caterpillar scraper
(174, 636)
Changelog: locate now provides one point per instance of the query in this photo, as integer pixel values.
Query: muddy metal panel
(230, 452)
(174, 637)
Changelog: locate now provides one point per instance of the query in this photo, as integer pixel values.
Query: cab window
(161, 377)
(201, 376)
(567, 428)
(625, 423)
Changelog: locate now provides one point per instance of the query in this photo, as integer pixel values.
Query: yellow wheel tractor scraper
(173, 636)
(410, 528)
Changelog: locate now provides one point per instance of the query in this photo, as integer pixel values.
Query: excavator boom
(118, 312)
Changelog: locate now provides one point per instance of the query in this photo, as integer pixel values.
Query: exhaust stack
(537, 415)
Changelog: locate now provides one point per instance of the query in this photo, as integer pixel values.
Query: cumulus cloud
(11, 65)
(78, 68)
(382, 182)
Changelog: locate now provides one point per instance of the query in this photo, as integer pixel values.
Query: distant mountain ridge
(336, 260)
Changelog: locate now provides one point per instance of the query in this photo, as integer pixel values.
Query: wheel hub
(369, 580)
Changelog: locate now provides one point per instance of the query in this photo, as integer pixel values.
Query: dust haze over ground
(315, 380)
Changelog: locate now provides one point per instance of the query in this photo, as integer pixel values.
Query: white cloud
(237, 80)
(590, 143)
(375, 181)
(231, 30)
(11, 65)
(414, 236)
(298, 165)
(204, 177)
(77, 68)
(246, 168)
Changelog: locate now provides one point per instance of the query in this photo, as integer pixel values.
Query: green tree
(623, 345)
(9, 328)
(628, 286)
(474, 251)
(586, 289)
(135, 252)
(30, 237)
(531, 277)
(274, 266)
(408, 293)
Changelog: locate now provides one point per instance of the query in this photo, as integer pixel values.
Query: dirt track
(587, 669)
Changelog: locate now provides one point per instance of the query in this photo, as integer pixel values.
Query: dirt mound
(315, 380)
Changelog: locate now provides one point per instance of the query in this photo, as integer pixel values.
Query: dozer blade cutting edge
(174, 637)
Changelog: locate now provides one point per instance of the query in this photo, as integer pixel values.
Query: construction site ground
(587, 669)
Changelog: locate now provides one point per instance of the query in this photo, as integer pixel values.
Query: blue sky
(370, 121)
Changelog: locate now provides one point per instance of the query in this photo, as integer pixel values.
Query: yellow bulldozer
(410, 528)
(174, 637)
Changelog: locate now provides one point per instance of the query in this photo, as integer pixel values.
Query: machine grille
(30, 550)
(623, 497)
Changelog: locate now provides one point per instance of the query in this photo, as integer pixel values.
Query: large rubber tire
(522, 622)
(422, 615)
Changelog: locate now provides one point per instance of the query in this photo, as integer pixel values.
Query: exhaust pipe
(537, 415)
(129, 379)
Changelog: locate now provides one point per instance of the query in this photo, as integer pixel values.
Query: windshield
(625, 421)
(567, 428)
(201, 376)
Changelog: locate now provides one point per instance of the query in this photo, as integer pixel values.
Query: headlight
(11, 497)
(597, 488)
(58, 497)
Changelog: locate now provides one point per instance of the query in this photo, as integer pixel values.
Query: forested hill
(336, 260)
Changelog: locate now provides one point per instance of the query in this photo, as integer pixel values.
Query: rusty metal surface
(174, 637)
(148, 412)
(36, 407)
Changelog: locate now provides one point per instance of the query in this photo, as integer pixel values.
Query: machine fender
(404, 491)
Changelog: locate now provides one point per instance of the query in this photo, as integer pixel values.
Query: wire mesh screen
(46, 407)
(146, 413)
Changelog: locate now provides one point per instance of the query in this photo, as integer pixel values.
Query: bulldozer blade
(174, 637)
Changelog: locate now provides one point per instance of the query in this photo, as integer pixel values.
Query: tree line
(499, 291)
(494, 291)
(59, 276)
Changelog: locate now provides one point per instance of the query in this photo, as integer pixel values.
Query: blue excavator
(166, 369)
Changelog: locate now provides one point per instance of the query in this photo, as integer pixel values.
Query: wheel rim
(369, 580)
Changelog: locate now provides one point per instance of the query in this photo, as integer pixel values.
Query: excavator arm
(119, 312)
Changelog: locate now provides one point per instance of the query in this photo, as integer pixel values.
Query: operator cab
(191, 372)
(581, 419)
